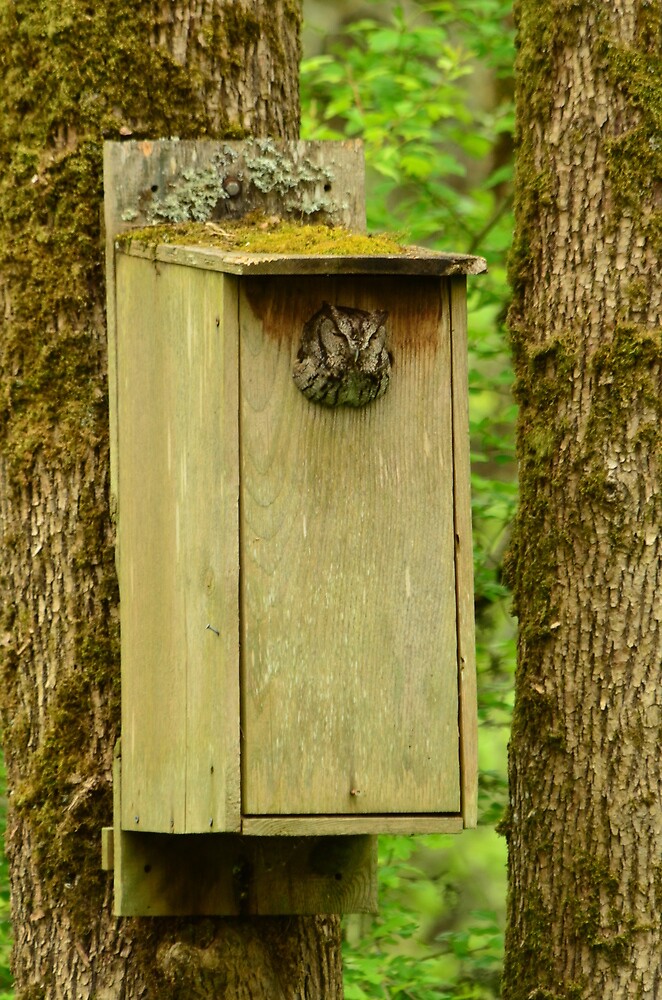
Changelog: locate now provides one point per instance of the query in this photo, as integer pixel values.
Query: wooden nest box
(295, 569)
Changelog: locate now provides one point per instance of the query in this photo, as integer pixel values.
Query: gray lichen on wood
(234, 178)
(193, 196)
(300, 183)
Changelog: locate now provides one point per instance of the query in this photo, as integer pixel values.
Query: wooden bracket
(161, 874)
(221, 874)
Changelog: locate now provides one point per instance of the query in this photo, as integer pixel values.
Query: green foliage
(412, 949)
(405, 83)
(428, 87)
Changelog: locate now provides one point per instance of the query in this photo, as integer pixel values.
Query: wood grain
(464, 570)
(177, 548)
(413, 260)
(342, 826)
(349, 660)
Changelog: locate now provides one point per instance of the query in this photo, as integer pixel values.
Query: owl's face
(342, 360)
(355, 334)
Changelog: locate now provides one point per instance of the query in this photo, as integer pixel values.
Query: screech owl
(342, 360)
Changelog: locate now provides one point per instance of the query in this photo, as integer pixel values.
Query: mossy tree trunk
(73, 73)
(585, 820)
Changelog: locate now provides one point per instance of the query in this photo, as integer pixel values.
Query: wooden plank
(172, 180)
(349, 666)
(464, 554)
(306, 826)
(413, 260)
(177, 542)
(230, 875)
(117, 830)
(112, 224)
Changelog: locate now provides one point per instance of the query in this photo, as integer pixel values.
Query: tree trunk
(585, 822)
(74, 73)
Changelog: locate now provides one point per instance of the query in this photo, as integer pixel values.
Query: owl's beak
(356, 354)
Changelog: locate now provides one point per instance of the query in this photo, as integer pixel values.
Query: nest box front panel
(349, 680)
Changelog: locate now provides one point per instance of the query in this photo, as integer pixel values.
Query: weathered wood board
(349, 655)
(173, 180)
(178, 548)
(343, 826)
(464, 565)
(416, 261)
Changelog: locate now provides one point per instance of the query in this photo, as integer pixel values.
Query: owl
(342, 360)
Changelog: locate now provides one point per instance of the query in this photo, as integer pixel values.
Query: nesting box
(295, 576)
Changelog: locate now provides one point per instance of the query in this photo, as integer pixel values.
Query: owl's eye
(332, 339)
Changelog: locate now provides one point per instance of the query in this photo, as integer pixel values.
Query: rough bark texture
(73, 73)
(585, 821)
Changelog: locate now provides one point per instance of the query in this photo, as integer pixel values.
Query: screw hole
(327, 186)
(155, 187)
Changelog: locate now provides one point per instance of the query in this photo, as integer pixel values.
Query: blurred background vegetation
(428, 87)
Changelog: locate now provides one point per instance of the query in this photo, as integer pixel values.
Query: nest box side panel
(464, 565)
(177, 547)
(349, 655)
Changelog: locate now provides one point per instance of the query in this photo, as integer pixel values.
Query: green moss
(257, 234)
(545, 28)
(625, 374)
(61, 795)
(570, 991)
(534, 939)
(635, 157)
(598, 912)
(543, 389)
(624, 368)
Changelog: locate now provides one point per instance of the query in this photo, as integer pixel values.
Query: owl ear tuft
(335, 314)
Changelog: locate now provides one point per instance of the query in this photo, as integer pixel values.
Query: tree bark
(73, 74)
(584, 827)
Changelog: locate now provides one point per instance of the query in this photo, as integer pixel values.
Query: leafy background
(428, 87)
